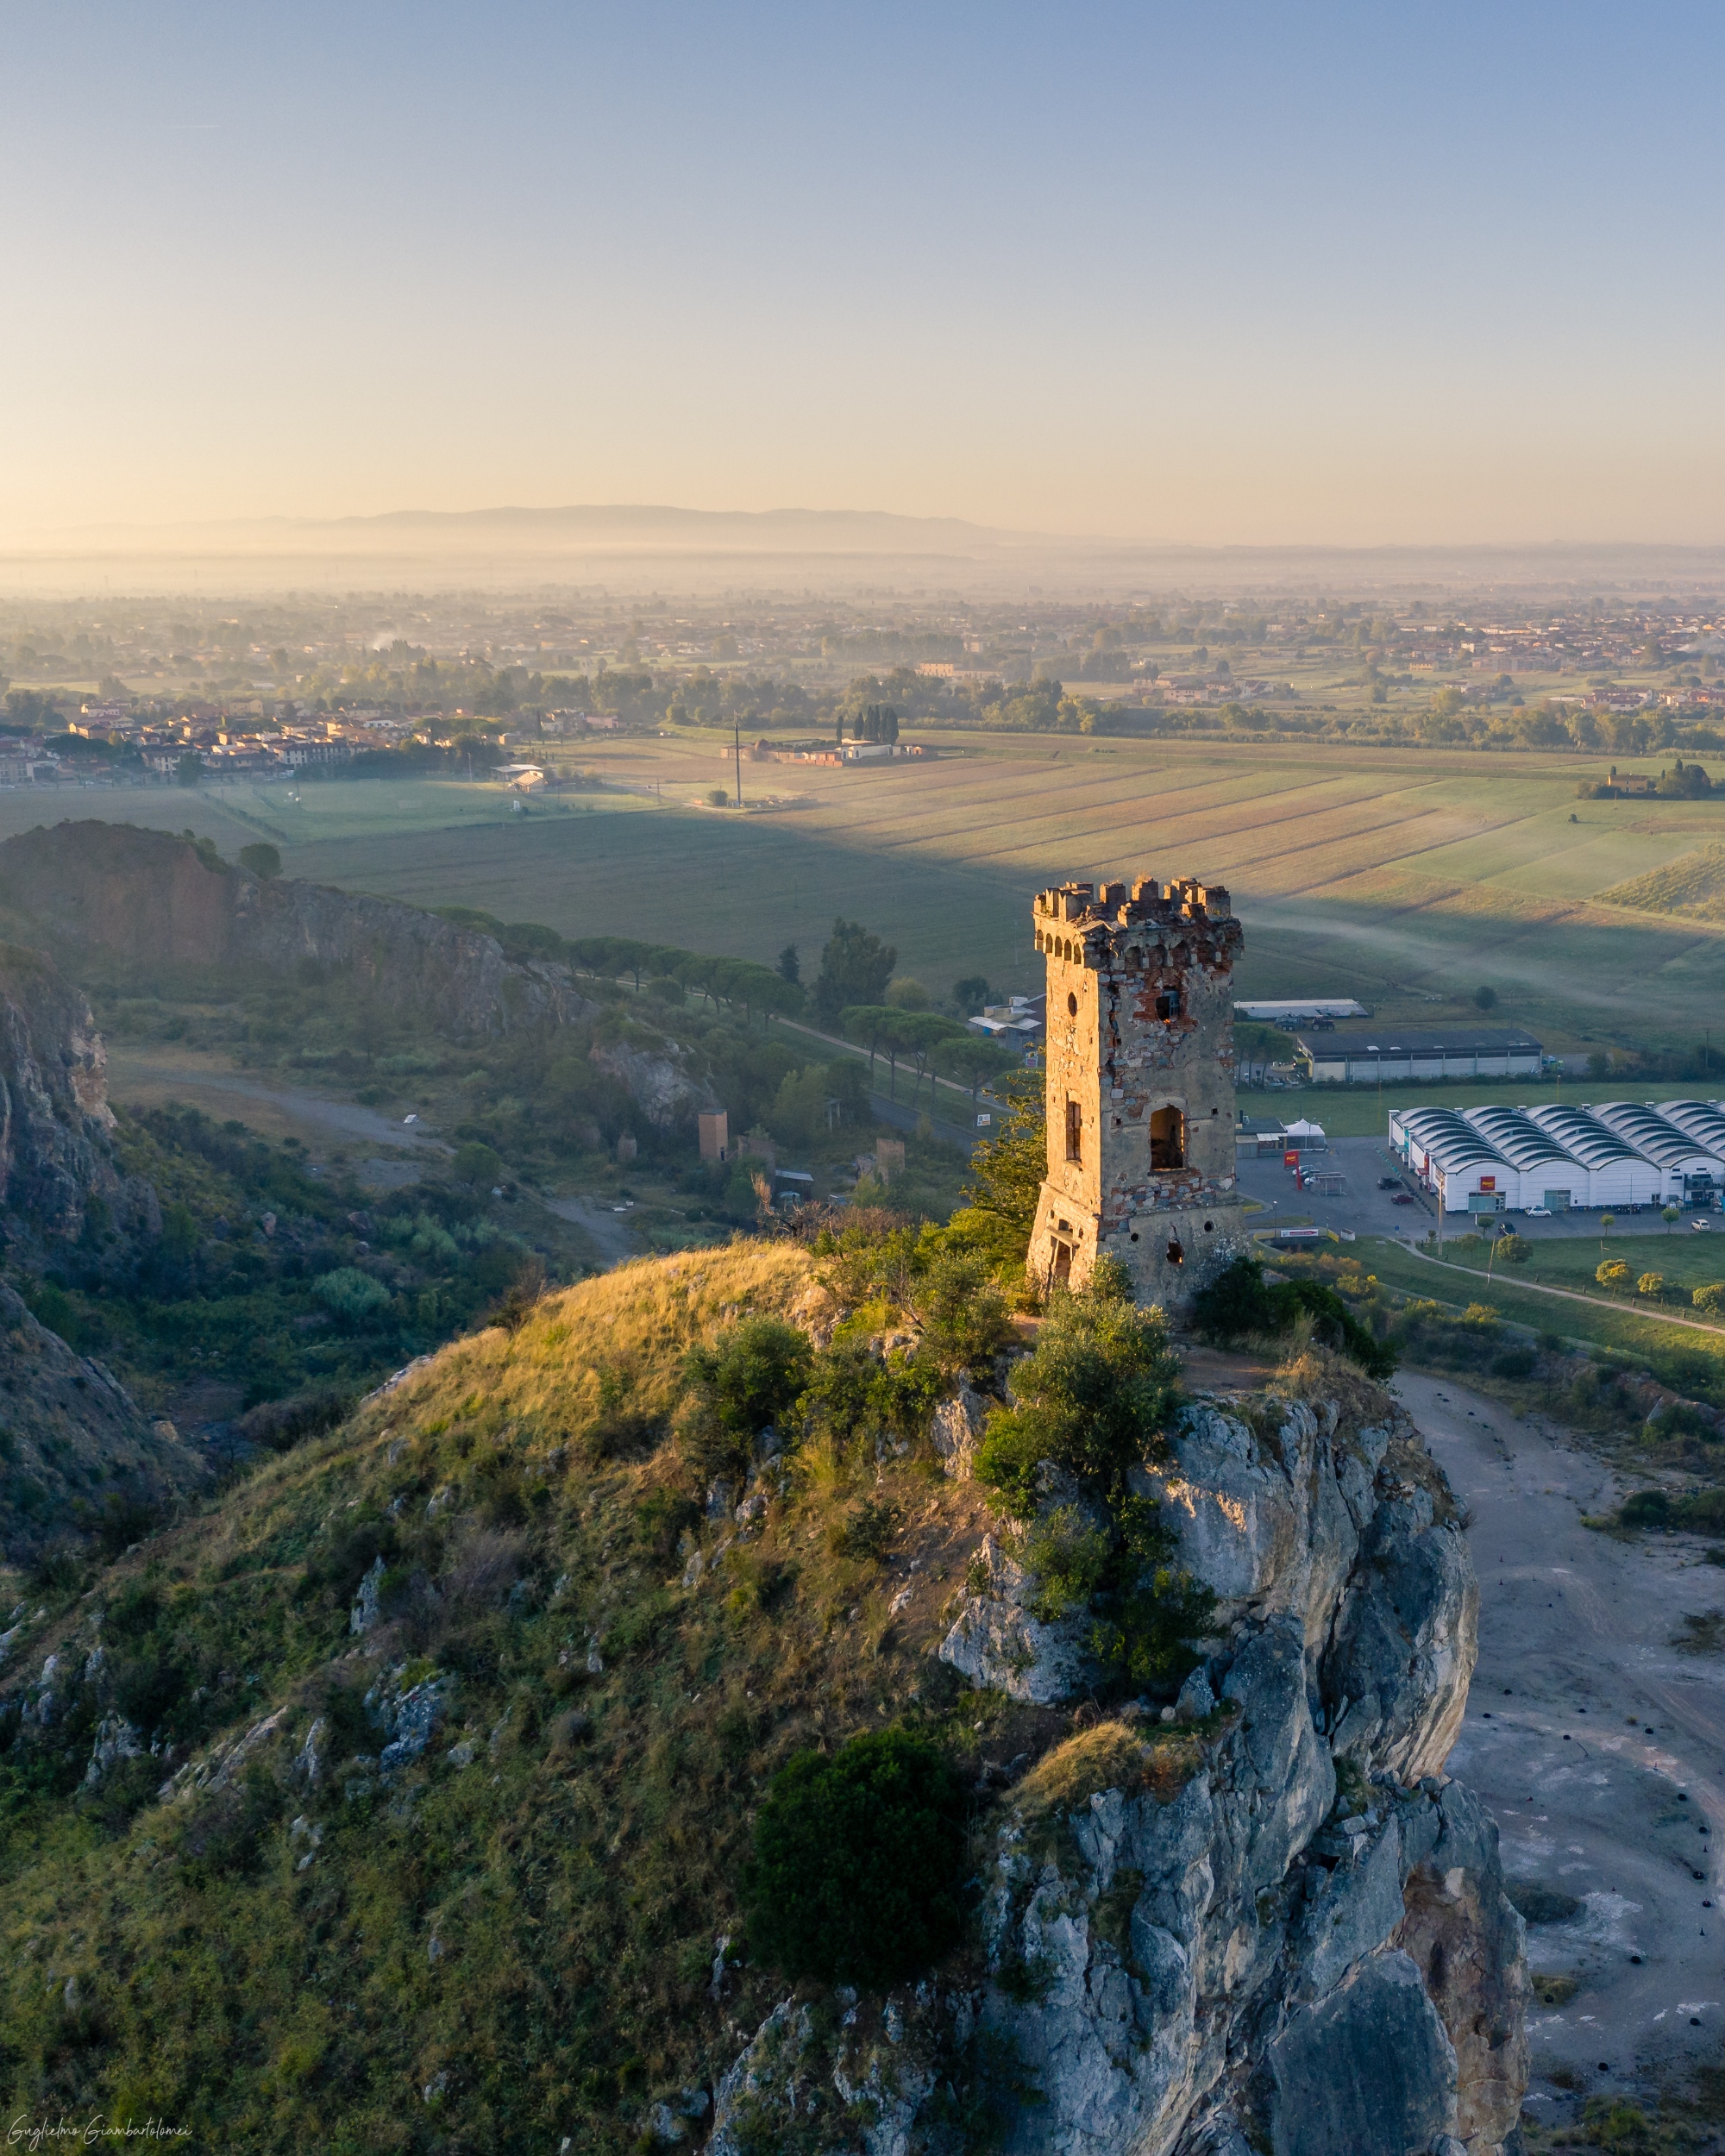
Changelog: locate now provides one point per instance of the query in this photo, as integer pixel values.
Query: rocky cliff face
(156, 900)
(54, 1117)
(1266, 1922)
(70, 1437)
(74, 1445)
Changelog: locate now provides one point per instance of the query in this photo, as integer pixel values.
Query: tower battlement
(1139, 1058)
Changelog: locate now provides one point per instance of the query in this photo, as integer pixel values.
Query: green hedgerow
(859, 1863)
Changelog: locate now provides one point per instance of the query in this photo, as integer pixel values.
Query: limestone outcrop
(67, 1426)
(54, 1117)
(1268, 1922)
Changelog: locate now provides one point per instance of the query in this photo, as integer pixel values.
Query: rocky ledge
(1263, 1919)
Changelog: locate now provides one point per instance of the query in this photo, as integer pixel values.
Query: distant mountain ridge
(578, 528)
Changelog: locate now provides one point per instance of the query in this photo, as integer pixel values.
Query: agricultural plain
(1408, 877)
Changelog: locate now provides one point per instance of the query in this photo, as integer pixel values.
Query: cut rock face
(1274, 1925)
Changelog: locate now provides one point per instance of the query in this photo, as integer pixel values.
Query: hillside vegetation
(403, 1799)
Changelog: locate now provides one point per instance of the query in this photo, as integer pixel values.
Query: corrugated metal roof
(1581, 1138)
(1519, 1138)
(1698, 1119)
(1652, 1135)
(1446, 1138)
(1487, 1040)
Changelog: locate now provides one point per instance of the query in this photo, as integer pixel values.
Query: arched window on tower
(1167, 1139)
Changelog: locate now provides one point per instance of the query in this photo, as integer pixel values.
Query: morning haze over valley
(861, 1083)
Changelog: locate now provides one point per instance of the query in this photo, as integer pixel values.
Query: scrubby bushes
(859, 1863)
(1701, 1514)
(350, 1294)
(748, 1381)
(1240, 1303)
(1096, 1399)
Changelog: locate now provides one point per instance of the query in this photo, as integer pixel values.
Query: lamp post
(737, 752)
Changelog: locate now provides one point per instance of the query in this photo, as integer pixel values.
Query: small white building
(1021, 1020)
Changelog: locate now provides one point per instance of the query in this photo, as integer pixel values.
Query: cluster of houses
(229, 742)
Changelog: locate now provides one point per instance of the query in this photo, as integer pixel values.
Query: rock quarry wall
(1270, 1924)
(154, 898)
(156, 901)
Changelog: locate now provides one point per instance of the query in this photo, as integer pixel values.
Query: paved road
(1599, 1747)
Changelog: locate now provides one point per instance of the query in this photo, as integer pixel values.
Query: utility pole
(737, 751)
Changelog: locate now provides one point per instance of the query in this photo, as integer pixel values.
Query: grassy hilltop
(514, 1931)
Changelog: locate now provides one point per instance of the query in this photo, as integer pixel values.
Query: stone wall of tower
(1140, 1060)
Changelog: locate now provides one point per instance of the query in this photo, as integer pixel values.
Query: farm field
(1407, 877)
(235, 814)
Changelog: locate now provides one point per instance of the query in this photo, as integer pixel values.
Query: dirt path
(141, 1083)
(1568, 1294)
(1599, 1748)
(612, 1234)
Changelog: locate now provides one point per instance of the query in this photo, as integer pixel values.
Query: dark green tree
(262, 859)
(790, 965)
(855, 968)
(858, 1875)
(1006, 1170)
(1096, 1399)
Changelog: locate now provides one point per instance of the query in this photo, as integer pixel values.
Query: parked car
(1389, 1182)
(1402, 1198)
(1701, 1224)
(1538, 1213)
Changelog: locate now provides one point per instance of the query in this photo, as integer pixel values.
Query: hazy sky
(1208, 272)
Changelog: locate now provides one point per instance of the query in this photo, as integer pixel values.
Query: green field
(1685, 1259)
(1622, 1331)
(1407, 877)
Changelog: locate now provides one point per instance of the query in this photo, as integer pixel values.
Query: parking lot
(1363, 1209)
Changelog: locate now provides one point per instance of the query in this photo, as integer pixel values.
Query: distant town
(288, 684)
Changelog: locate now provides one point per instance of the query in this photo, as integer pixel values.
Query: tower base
(1169, 1251)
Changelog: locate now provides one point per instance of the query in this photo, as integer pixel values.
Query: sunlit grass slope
(512, 1936)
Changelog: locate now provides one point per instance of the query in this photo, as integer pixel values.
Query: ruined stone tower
(1140, 1066)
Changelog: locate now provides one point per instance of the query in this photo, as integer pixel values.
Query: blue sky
(1223, 273)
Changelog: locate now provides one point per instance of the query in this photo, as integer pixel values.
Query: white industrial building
(1358, 1056)
(1685, 1159)
(1618, 1155)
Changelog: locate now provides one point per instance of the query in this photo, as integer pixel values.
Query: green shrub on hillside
(859, 1863)
(1098, 1395)
(1240, 1302)
(1097, 1398)
(1702, 1513)
(350, 1294)
(750, 1380)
